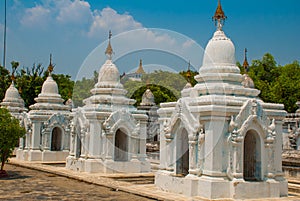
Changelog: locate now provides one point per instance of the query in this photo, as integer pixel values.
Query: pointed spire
(219, 16)
(245, 64)
(109, 51)
(140, 70)
(50, 67)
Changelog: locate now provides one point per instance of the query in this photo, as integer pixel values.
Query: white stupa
(108, 133)
(47, 125)
(13, 101)
(220, 140)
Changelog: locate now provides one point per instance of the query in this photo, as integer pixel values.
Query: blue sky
(71, 29)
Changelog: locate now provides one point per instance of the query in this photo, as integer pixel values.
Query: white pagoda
(220, 140)
(47, 126)
(108, 133)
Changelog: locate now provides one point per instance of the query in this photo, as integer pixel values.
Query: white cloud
(188, 43)
(109, 19)
(36, 16)
(74, 12)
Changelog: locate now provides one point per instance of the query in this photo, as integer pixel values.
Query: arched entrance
(121, 146)
(56, 139)
(252, 157)
(182, 153)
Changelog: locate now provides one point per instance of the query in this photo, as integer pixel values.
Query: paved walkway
(138, 184)
(27, 184)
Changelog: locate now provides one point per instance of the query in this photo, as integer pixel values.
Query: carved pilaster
(269, 145)
(193, 142)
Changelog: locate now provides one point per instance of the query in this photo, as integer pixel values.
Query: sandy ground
(27, 184)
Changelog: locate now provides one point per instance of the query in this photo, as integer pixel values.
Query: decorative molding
(121, 119)
(251, 116)
(183, 114)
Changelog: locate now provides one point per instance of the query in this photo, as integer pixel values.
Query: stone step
(295, 188)
(293, 181)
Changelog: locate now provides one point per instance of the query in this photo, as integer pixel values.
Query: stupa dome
(220, 51)
(49, 86)
(13, 101)
(11, 93)
(148, 98)
(109, 73)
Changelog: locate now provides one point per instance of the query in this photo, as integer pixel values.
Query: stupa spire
(109, 51)
(140, 69)
(245, 64)
(219, 16)
(50, 67)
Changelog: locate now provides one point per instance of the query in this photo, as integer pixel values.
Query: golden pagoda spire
(50, 67)
(219, 16)
(140, 70)
(245, 64)
(109, 51)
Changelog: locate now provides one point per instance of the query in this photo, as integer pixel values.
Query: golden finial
(109, 51)
(13, 78)
(245, 64)
(219, 16)
(50, 67)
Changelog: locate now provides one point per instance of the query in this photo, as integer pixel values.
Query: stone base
(34, 155)
(54, 156)
(37, 155)
(219, 188)
(22, 155)
(107, 166)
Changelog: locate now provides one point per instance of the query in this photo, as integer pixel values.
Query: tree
(82, 89)
(278, 84)
(165, 86)
(29, 81)
(189, 76)
(5, 81)
(65, 85)
(286, 88)
(161, 94)
(10, 132)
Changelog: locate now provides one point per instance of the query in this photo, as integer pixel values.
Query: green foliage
(29, 81)
(165, 86)
(278, 84)
(160, 93)
(174, 82)
(81, 90)
(10, 132)
(5, 81)
(242, 69)
(65, 85)
(192, 75)
(286, 88)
